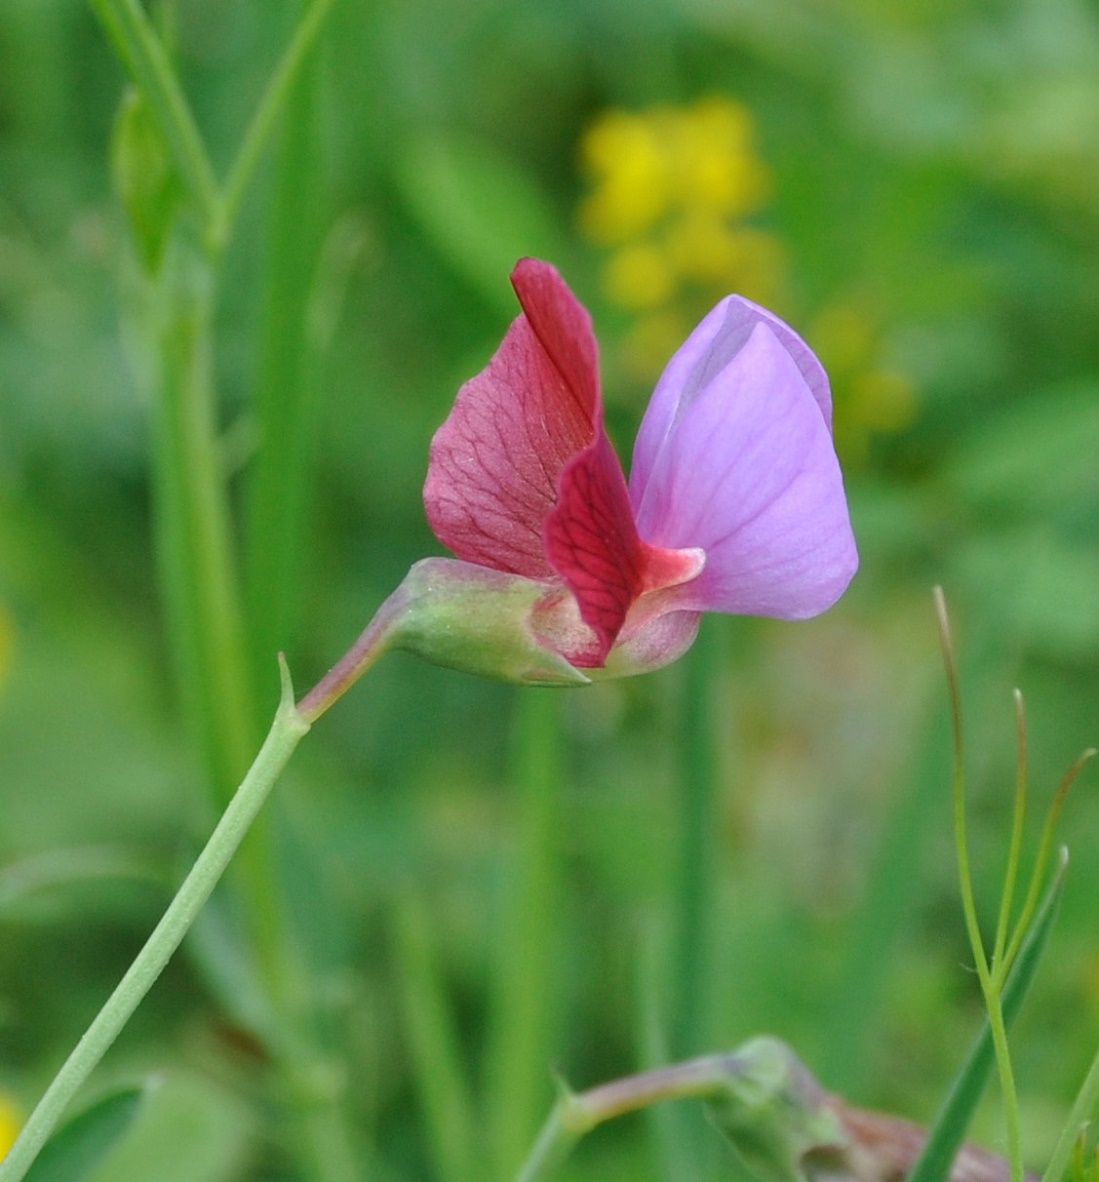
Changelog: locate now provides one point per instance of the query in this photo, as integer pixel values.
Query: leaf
(193, 1129)
(76, 1149)
(948, 1130)
(146, 182)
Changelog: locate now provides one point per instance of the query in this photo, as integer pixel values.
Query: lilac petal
(746, 470)
(705, 353)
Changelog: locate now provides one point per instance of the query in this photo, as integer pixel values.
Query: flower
(671, 191)
(735, 501)
(564, 572)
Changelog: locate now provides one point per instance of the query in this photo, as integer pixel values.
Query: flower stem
(575, 1114)
(143, 55)
(693, 898)
(263, 121)
(991, 986)
(372, 642)
(519, 1053)
(286, 732)
(695, 888)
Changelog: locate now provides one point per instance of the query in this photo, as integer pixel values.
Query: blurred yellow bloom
(872, 396)
(639, 276)
(645, 165)
(669, 189)
(715, 160)
(624, 155)
(9, 1124)
(652, 338)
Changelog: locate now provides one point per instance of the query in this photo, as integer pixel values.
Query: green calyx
(478, 620)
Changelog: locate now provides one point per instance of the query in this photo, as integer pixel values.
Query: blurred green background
(914, 186)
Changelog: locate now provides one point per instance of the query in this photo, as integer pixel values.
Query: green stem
(998, 1029)
(283, 407)
(952, 1121)
(991, 989)
(193, 530)
(286, 732)
(695, 889)
(1083, 1110)
(519, 1051)
(576, 1114)
(143, 55)
(263, 122)
(684, 1146)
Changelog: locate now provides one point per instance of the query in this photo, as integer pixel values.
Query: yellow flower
(624, 154)
(9, 1124)
(645, 165)
(714, 158)
(670, 187)
(872, 396)
(719, 257)
(639, 276)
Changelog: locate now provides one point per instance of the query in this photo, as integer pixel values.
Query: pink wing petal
(494, 464)
(745, 469)
(705, 353)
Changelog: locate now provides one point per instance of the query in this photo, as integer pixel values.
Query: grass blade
(949, 1128)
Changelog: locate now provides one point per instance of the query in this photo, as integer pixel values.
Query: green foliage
(146, 184)
(1084, 1166)
(73, 1153)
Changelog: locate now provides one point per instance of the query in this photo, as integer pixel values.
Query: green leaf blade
(949, 1128)
(72, 1153)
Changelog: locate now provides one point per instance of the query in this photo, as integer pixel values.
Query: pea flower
(564, 572)
(735, 501)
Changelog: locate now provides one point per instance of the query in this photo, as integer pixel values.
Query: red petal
(493, 472)
(593, 544)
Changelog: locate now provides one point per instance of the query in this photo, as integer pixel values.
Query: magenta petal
(736, 456)
(494, 464)
(592, 543)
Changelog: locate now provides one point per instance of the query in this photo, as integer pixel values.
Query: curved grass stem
(991, 985)
(286, 732)
(263, 122)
